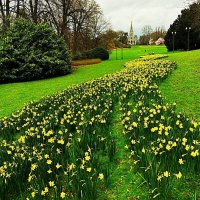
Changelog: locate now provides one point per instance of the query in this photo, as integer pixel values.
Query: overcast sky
(120, 13)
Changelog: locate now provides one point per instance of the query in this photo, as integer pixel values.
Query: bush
(29, 51)
(98, 52)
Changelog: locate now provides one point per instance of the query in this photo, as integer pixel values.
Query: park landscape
(120, 123)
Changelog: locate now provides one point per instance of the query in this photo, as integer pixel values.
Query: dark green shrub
(98, 52)
(29, 51)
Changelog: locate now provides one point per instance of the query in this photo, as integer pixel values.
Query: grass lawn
(183, 85)
(14, 96)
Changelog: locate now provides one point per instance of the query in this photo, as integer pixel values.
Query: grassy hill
(183, 85)
(125, 182)
(14, 96)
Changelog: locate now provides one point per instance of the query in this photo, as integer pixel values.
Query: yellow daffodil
(87, 158)
(166, 174)
(159, 178)
(101, 176)
(61, 141)
(33, 194)
(179, 175)
(143, 150)
(51, 183)
(168, 147)
(34, 166)
(181, 162)
(49, 162)
(89, 169)
(62, 195)
(134, 124)
(58, 166)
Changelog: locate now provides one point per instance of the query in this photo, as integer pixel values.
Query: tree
(160, 41)
(32, 51)
(147, 30)
(159, 32)
(146, 35)
(122, 38)
(79, 22)
(189, 17)
(5, 8)
(107, 39)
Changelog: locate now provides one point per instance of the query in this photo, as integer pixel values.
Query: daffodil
(89, 169)
(61, 141)
(58, 166)
(143, 150)
(62, 195)
(166, 174)
(101, 176)
(87, 158)
(179, 175)
(71, 166)
(134, 124)
(168, 147)
(51, 183)
(181, 162)
(33, 194)
(195, 153)
(34, 166)
(49, 171)
(159, 178)
(49, 162)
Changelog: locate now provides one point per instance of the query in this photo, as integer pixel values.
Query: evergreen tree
(189, 18)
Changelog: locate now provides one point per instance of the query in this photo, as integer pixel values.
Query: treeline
(150, 36)
(81, 23)
(184, 33)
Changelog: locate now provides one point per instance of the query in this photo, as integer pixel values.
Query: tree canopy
(30, 51)
(186, 28)
(81, 23)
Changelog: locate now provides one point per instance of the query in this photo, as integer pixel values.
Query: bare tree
(147, 30)
(159, 32)
(80, 22)
(5, 8)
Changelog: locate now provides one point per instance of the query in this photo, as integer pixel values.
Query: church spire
(131, 29)
(131, 37)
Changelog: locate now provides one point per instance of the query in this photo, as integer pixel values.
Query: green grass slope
(14, 96)
(183, 85)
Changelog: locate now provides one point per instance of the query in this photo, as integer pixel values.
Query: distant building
(131, 37)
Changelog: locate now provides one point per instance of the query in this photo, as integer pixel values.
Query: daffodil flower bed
(153, 57)
(61, 147)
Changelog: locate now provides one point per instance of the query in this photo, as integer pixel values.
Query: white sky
(120, 13)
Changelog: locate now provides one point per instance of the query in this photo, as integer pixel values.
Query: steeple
(131, 30)
(131, 37)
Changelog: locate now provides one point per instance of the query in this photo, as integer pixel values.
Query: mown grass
(14, 96)
(183, 85)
